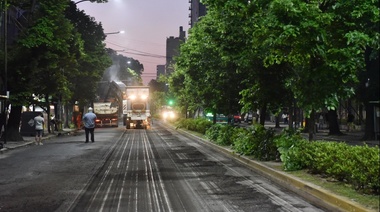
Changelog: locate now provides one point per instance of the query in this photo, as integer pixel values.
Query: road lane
(163, 170)
(135, 170)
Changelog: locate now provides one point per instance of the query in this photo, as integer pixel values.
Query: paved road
(135, 170)
(162, 170)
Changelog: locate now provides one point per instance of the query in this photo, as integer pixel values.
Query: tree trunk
(66, 119)
(263, 113)
(13, 132)
(291, 115)
(277, 120)
(369, 133)
(311, 125)
(333, 123)
(47, 110)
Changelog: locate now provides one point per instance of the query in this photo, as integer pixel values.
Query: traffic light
(171, 102)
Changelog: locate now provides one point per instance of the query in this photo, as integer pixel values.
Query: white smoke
(113, 73)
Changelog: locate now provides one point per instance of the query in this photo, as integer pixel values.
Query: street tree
(306, 35)
(48, 41)
(208, 61)
(91, 63)
(261, 86)
(358, 24)
(319, 47)
(200, 63)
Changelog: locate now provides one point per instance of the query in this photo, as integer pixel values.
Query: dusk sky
(147, 24)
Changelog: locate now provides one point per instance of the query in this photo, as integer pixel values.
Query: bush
(202, 124)
(225, 134)
(243, 142)
(291, 146)
(257, 142)
(212, 133)
(356, 165)
(197, 125)
(266, 148)
(364, 169)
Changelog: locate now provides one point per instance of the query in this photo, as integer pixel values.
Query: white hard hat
(90, 109)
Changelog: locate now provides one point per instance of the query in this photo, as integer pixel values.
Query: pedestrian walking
(285, 118)
(321, 121)
(39, 127)
(89, 124)
(79, 123)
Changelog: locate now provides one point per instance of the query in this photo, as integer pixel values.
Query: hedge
(355, 165)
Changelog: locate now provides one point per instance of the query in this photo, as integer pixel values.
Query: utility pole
(5, 27)
(6, 66)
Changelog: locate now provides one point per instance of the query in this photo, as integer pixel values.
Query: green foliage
(290, 144)
(356, 165)
(255, 141)
(213, 132)
(225, 134)
(198, 125)
(365, 170)
(308, 50)
(202, 124)
(243, 142)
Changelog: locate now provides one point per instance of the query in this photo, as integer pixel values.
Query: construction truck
(106, 114)
(136, 111)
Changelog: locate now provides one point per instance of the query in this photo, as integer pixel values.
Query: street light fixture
(92, 1)
(111, 33)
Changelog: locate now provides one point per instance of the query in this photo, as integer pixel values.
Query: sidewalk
(30, 140)
(351, 138)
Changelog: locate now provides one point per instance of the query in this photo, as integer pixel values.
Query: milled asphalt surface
(313, 193)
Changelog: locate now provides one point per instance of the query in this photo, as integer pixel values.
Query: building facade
(160, 70)
(172, 49)
(197, 10)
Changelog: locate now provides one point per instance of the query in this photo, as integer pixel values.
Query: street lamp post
(111, 33)
(81, 1)
(5, 69)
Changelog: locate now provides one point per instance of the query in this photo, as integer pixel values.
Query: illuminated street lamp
(111, 33)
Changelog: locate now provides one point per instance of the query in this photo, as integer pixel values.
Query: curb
(24, 143)
(313, 193)
(31, 141)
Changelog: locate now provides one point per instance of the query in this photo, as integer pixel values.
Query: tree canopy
(58, 54)
(277, 52)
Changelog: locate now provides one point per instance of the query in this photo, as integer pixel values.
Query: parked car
(237, 118)
(248, 117)
(220, 118)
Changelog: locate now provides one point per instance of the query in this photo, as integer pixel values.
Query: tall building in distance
(172, 49)
(197, 9)
(160, 70)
